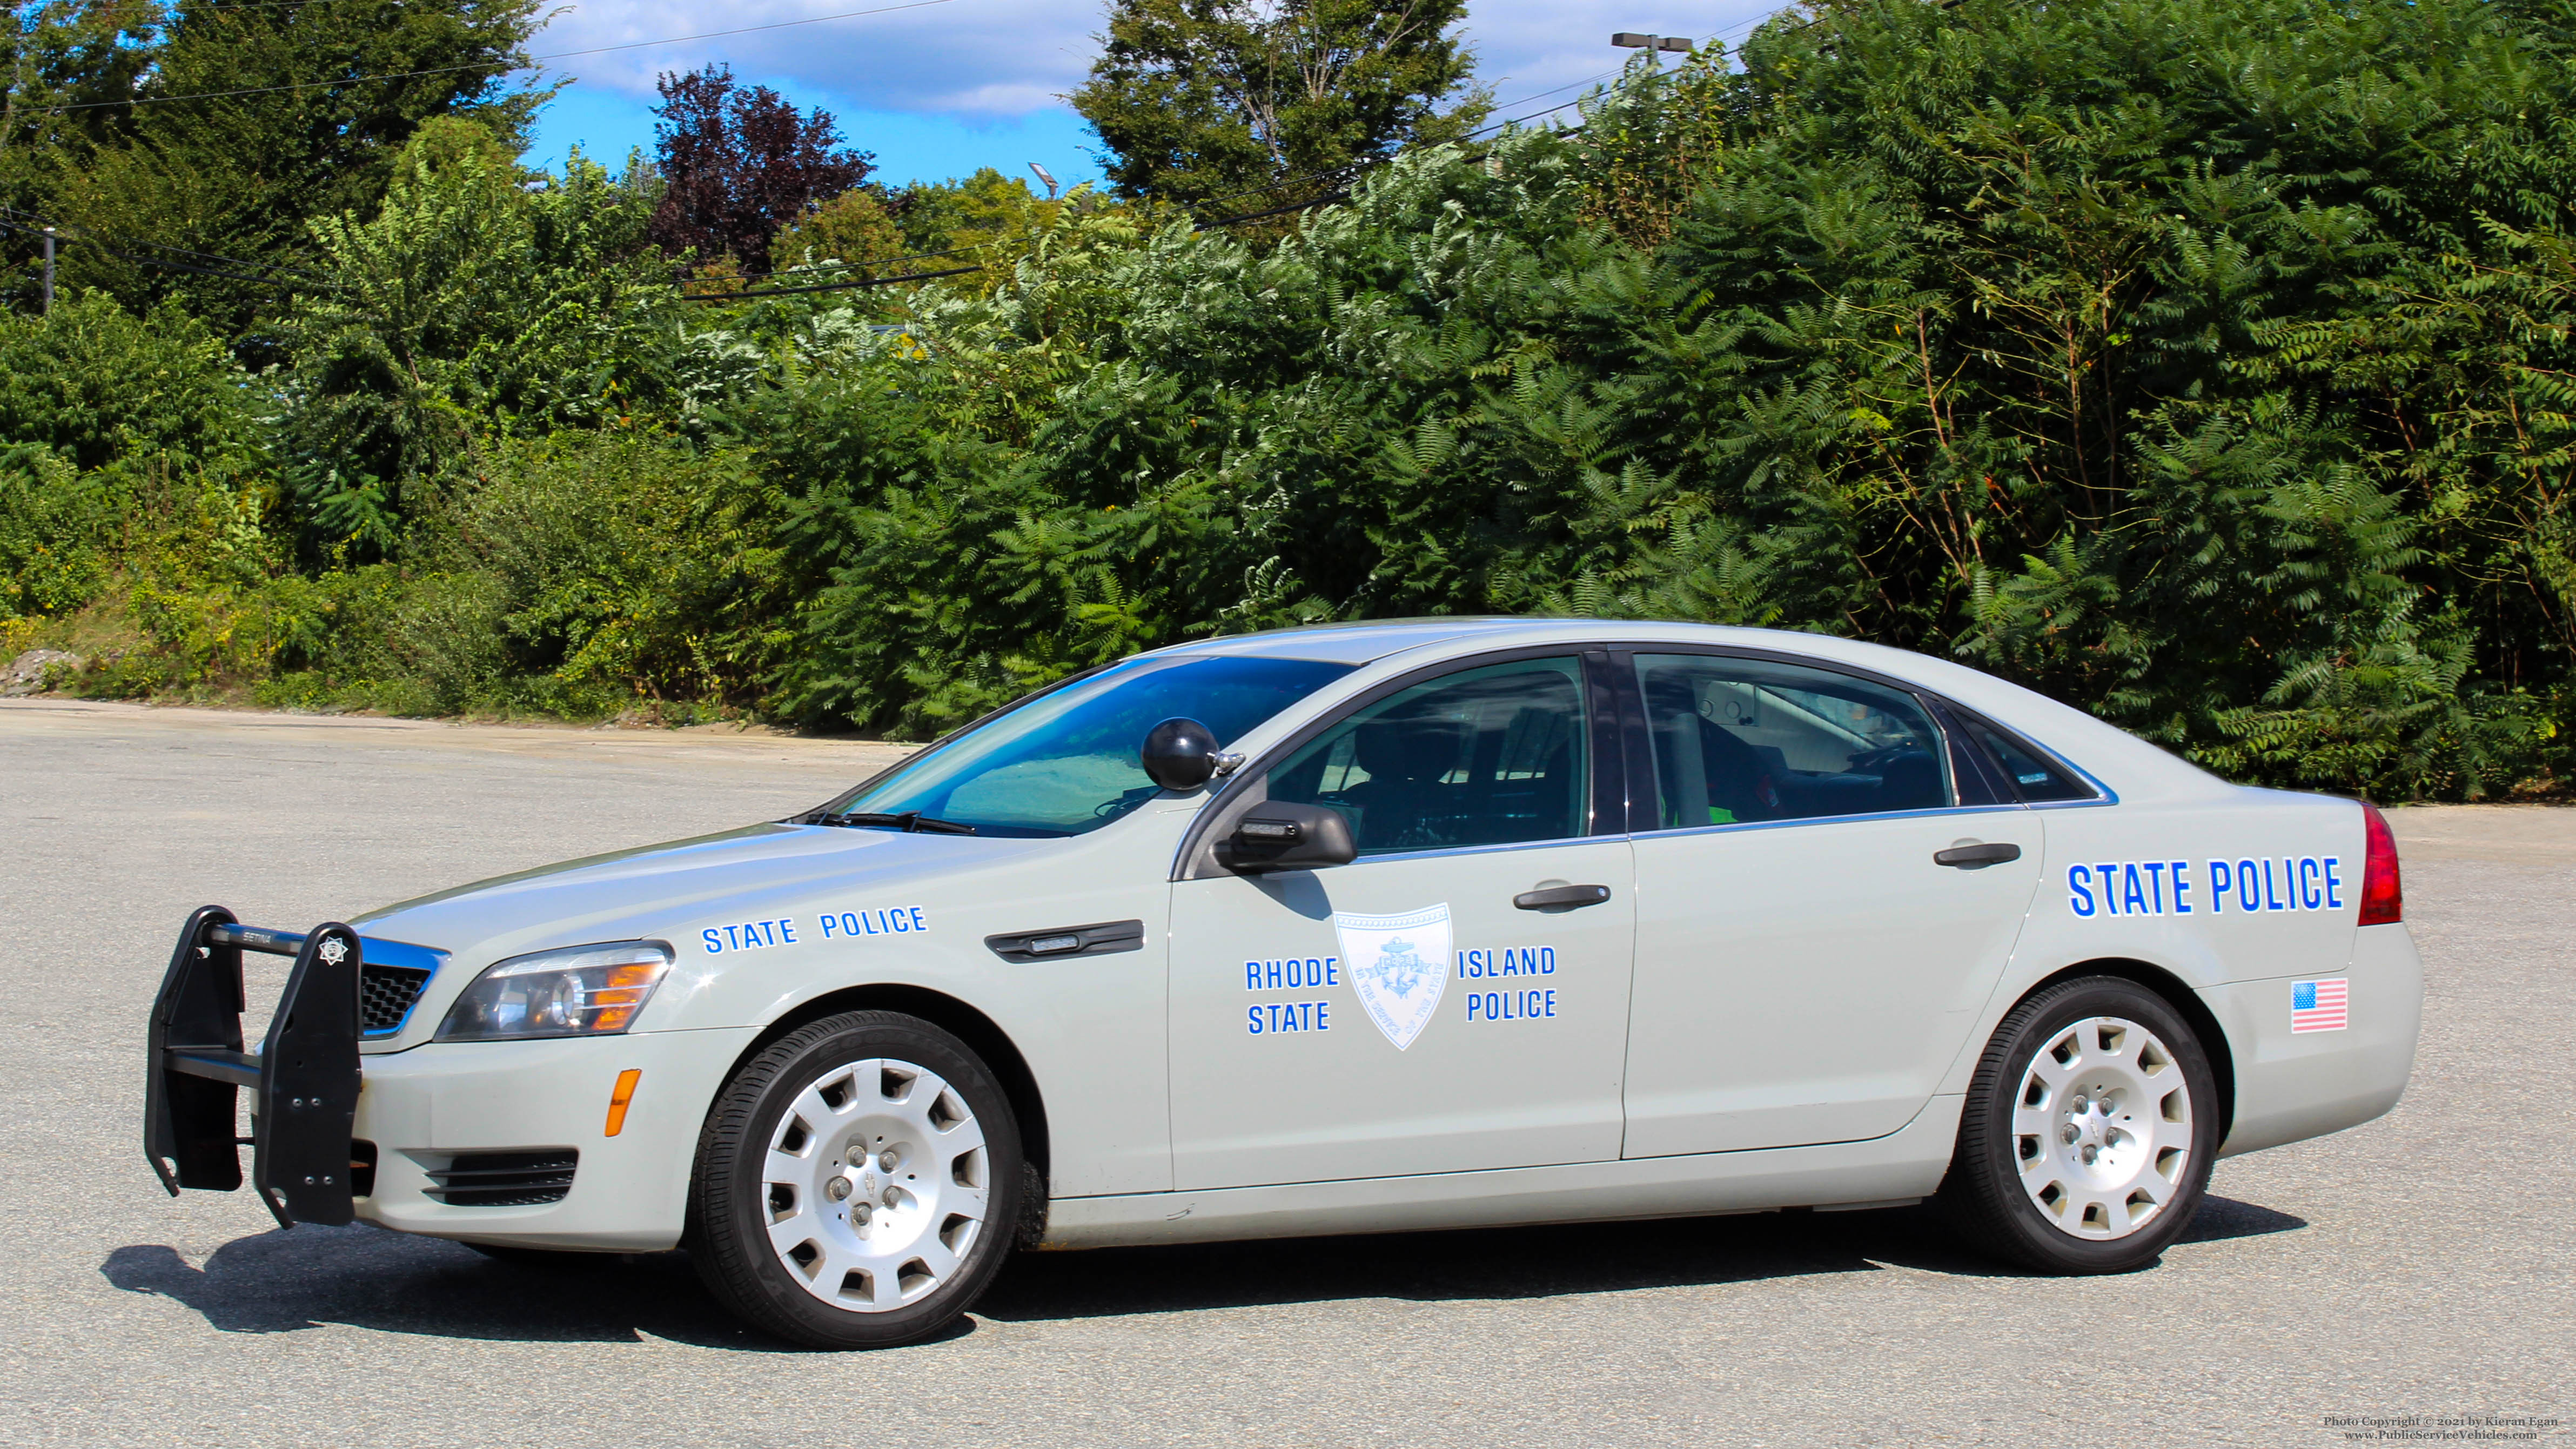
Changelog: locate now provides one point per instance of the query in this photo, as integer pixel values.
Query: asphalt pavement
(2417, 1268)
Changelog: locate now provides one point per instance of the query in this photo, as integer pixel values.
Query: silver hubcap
(876, 1184)
(2102, 1128)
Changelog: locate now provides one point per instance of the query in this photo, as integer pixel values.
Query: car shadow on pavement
(1504, 1263)
(306, 1276)
(366, 1277)
(2221, 1218)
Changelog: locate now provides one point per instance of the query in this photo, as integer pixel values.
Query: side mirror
(1179, 754)
(1277, 835)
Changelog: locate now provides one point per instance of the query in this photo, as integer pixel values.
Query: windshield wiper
(910, 822)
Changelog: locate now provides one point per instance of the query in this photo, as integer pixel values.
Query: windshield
(1065, 762)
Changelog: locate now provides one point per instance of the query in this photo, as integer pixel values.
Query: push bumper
(303, 1080)
(503, 1142)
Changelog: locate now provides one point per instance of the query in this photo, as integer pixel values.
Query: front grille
(504, 1179)
(385, 995)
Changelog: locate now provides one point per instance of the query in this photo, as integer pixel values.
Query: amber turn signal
(618, 1099)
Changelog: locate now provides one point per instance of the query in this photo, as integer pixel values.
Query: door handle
(1977, 857)
(1575, 895)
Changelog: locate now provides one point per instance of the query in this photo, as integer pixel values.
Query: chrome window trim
(1449, 850)
(1933, 705)
(2108, 796)
(1672, 831)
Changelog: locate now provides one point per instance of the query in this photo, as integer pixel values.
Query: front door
(1402, 1014)
(1807, 972)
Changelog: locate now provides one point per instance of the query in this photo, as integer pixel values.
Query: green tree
(938, 216)
(1219, 101)
(247, 122)
(67, 59)
(92, 383)
(738, 162)
(468, 303)
(853, 228)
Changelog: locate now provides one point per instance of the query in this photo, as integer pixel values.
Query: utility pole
(49, 271)
(1631, 40)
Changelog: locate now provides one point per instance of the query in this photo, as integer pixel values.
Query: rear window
(2037, 777)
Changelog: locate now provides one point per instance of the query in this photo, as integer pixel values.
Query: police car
(1358, 928)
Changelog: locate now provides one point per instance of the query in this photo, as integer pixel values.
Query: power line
(1552, 90)
(962, 271)
(531, 63)
(1365, 165)
(66, 232)
(831, 286)
(62, 236)
(222, 6)
(878, 262)
(1319, 199)
(29, 222)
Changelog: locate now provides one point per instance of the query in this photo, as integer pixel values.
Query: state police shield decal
(1399, 966)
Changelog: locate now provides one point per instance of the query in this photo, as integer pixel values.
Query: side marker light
(618, 1099)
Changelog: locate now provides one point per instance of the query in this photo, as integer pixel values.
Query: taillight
(2383, 900)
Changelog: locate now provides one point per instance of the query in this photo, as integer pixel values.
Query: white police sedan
(1357, 928)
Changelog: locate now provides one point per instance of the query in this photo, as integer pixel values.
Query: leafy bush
(467, 305)
(94, 383)
(2230, 401)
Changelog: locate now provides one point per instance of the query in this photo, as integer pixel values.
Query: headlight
(576, 991)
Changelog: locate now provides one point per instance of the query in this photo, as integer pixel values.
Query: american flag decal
(2320, 1005)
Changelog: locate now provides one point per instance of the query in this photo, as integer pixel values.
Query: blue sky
(909, 145)
(937, 90)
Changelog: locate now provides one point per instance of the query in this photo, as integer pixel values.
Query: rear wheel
(2088, 1133)
(857, 1183)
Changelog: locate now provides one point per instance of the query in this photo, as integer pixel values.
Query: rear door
(1402, 1014)
(1807, 967)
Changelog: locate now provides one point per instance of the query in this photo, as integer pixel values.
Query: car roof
(1369, 641)
(2098, 747)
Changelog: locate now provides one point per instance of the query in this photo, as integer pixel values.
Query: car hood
(658, 890)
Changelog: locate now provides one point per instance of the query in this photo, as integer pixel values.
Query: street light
(1045, 176)
(1631, 40)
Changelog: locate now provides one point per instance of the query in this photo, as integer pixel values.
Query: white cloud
(989, 59)
(967, 57)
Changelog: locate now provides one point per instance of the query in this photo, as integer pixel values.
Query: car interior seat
(1740, 781)
(1910, 781)
(1533, 784)
(1405, 760)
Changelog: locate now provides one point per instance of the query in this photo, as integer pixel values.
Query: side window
(1738, 740)
(2038, 778)
(1487, 756)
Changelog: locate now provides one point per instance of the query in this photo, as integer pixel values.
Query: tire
(2088, 1133)
(857, 1185)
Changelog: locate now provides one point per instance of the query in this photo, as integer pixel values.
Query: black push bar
(303, 1080)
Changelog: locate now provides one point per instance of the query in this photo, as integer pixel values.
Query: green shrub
(93, 383)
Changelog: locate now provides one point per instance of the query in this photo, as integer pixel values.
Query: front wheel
(857, 1183)
(2088, 1133)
